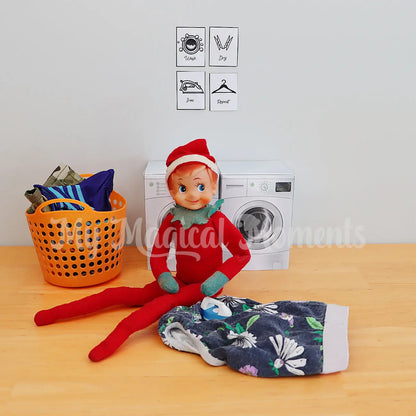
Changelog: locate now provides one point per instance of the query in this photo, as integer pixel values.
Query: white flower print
(231, 300)
(270, 308)
(244, 339)
(286, 349)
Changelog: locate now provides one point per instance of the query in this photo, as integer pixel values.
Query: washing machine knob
(264, 187)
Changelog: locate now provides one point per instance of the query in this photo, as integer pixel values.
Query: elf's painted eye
(201, 187)
(182, 189)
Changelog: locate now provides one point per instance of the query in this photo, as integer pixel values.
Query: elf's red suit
(198, 249)
(198, 235)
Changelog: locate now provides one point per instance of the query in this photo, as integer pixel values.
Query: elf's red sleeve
(161, 246)
(234, 241)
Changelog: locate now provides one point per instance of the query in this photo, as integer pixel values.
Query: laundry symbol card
(223, 91)
(190, 90)
(223, 46)
(190, 46)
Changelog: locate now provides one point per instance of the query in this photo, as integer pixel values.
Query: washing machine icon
(258, 199)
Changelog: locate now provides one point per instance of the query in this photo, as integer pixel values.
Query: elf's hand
(214, 283)
(168, 283)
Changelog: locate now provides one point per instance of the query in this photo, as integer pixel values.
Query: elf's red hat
(195, 151)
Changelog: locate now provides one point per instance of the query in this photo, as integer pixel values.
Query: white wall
(327, 86)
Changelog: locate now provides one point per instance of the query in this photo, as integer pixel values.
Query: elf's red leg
(149, 313)
(128, 296)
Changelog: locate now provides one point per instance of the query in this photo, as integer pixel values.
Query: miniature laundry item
(35, 197)
(94, 191)
(283, 338)
(63, 175)
(212, 308)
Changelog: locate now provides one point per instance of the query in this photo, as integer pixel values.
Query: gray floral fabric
(283, 338)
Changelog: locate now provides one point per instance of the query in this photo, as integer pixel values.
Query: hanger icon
(224, 89)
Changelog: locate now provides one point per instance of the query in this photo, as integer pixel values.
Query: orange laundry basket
(79, 248)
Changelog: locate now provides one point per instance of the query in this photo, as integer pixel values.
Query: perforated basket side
(79, 248)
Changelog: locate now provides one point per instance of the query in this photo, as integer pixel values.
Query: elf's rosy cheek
(205, 199)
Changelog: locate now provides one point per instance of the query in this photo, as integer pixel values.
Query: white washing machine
(158, 202)
(258, 200)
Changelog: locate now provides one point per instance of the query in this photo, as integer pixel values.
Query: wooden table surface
(46, 371)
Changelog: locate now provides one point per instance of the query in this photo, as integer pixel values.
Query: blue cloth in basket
(94, 191)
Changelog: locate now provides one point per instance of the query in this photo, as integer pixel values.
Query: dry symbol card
(223, 46)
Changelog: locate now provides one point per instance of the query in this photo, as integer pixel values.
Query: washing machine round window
(163, 212)
(260, 223)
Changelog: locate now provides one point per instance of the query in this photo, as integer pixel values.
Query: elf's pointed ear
(214, 187)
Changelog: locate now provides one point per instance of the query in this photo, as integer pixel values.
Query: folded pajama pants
(283, 338)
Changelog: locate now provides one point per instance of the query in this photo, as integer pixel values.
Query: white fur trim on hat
(191, 158)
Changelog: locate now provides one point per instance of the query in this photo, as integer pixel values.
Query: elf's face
(192, 189)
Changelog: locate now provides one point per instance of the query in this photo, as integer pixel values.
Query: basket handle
(86, 207)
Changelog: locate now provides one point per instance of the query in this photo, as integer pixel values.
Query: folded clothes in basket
(62, 175)
(94, 191)
(283, 338)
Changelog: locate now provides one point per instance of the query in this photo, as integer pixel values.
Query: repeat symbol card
(223, 90)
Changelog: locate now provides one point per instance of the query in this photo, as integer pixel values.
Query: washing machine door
(260, 223)
(163, 212)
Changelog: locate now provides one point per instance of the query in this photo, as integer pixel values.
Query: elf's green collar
(188, 217)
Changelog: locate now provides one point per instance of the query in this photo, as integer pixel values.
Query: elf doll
(199, 230)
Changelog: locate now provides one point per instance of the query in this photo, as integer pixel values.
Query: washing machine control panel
(257, 187)
(156, 188)
(268, 186)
